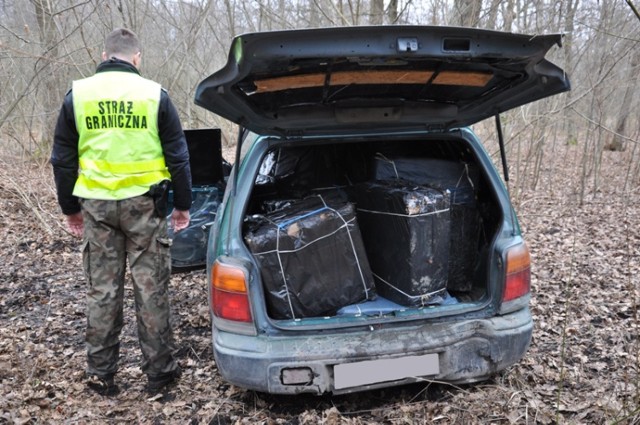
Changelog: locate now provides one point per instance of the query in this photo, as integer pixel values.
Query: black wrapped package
(189, 246)
(311, 257)
(460, 179)
(405, 228)
(208, 175)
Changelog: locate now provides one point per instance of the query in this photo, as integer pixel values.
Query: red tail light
(518, 273)
(229, 297)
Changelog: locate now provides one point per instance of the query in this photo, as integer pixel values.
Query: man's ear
(136, 59)
(104, 56)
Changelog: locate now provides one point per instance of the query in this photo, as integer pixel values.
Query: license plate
(382, 370)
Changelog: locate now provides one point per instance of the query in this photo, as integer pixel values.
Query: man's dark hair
(121, 41)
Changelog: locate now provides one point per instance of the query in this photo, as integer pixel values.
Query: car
(363, 237)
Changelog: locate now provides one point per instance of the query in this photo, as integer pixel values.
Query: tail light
(518, 273)
(229, 298)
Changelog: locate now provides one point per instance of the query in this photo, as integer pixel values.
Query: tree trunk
(51, 92)
(569, 27)
(377, 12)
(392, 12)
(508, 14)
(466, 13)
(617, 142)
(493, 14)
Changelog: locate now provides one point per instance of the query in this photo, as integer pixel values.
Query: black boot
(103, 384)
(157, 383)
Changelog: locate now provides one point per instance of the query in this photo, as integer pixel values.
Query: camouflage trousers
(117, 232)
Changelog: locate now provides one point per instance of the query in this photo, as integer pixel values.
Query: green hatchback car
(364, 238)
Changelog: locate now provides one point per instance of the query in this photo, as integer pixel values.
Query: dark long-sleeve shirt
(64, 156)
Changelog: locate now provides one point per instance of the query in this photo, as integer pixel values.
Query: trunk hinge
(505, 171)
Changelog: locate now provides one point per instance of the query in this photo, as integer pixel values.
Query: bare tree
(466, 13)
(392, 12)
(618, 142)
(48, 39)
(47, 44)
(569, 51)
(492, 16)
(508, 14)
(376, 13)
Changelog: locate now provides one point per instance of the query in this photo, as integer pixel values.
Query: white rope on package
(284, 277)
(464, 174)
(280, 227)
(289, 251)
(392, 162)
(353, 247)
(277, 251)
(404, 215)
(423, 297)
(469, 179)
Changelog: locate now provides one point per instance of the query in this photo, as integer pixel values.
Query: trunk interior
(371, 228)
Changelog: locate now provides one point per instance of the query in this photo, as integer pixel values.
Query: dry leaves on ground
(582, 366)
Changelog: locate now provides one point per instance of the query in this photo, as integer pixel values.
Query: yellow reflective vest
(119, 149)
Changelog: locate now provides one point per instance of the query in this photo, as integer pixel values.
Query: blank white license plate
(382, 370)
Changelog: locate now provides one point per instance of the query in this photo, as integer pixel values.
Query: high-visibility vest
(119, 149)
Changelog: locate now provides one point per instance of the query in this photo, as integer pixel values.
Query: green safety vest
(119, 148)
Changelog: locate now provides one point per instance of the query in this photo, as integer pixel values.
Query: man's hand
(179, 220)
(75, 224)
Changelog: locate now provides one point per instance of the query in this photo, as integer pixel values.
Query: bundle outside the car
(311, 257)
(405, 228)
(189, 246)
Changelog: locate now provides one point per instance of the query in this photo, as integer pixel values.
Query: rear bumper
(467, 351)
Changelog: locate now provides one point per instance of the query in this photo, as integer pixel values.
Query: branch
(14, 34)
(28, 200)
(634, 9)
(605, 128)
(59, 12)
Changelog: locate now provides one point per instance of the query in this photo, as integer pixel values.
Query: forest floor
(582, 366)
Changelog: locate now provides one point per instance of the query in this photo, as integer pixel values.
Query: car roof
(386, 78)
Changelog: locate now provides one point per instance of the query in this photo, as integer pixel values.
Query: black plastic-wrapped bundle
(405, 228)
(460, 179)
(189, 246)
(208, 174)
(311, 257)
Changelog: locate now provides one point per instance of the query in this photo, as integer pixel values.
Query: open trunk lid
(319, 81)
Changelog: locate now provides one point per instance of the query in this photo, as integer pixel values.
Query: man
(123, 134)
